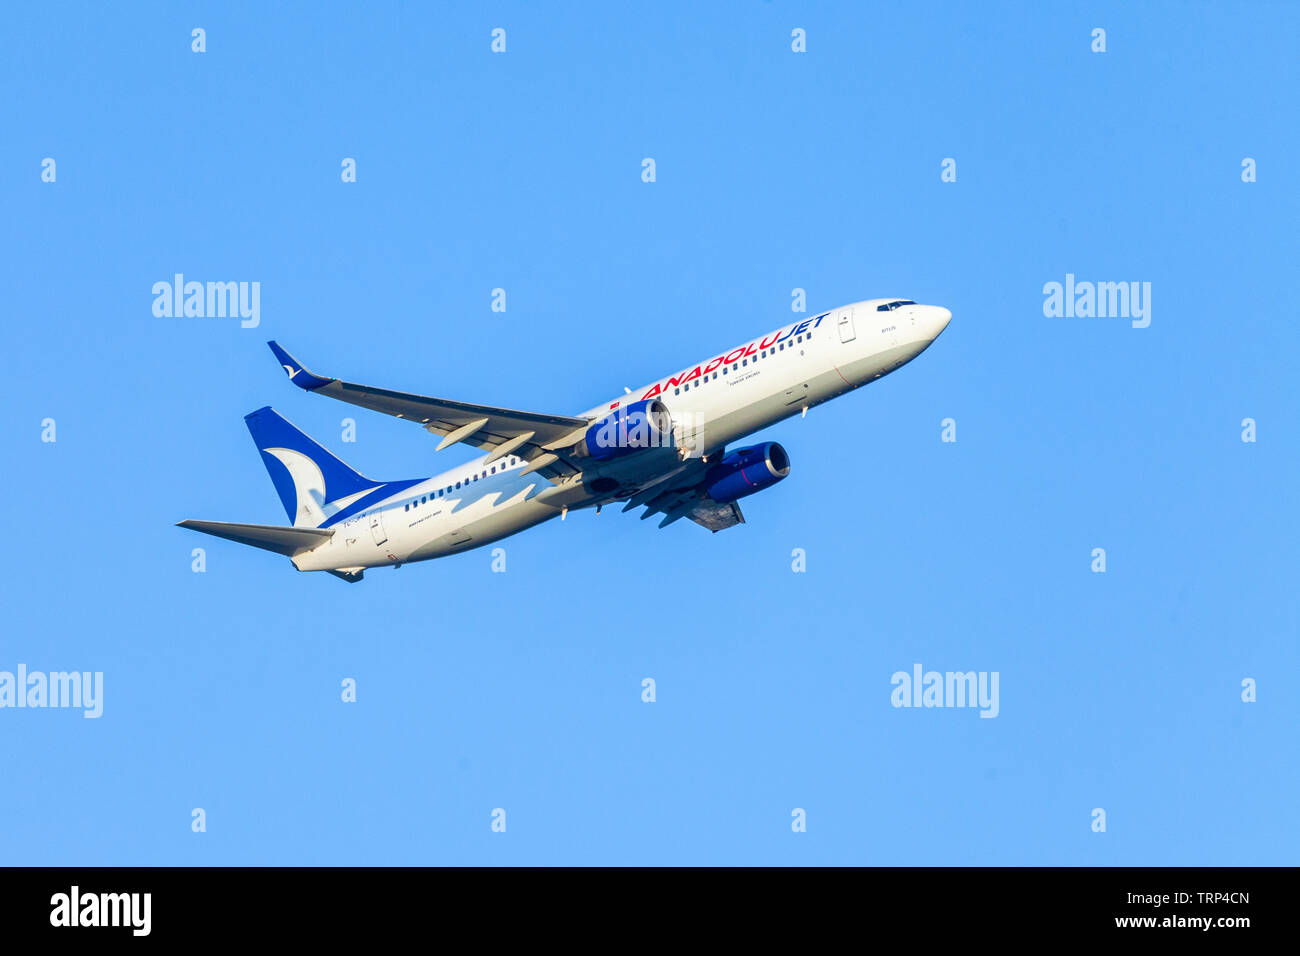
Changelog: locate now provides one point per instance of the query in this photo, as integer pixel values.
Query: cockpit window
(890, 306)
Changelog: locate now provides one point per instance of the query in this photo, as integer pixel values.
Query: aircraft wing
(681, 497)
(537, 439)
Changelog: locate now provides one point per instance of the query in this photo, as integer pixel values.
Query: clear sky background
(775, 171)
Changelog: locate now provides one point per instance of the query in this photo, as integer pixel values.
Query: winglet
(298, 374)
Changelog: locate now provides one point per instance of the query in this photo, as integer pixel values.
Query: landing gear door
(377, 527)
(845, 323)
(688, 435)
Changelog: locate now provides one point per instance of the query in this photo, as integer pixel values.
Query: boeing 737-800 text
(663, 447)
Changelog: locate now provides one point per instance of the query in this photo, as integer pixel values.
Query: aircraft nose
(937, 318)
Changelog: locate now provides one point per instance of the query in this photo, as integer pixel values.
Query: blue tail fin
(311, 482)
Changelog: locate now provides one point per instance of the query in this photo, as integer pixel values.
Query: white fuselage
(726, 397)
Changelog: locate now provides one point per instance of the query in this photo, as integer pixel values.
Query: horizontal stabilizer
(286, 541)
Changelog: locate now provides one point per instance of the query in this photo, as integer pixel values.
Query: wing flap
(684, 498)
(715, 516)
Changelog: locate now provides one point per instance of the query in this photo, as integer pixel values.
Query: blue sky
(775, 170)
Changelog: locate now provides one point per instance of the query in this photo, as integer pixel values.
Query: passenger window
(407, 508)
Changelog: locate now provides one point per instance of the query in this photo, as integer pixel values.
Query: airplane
(663, 447)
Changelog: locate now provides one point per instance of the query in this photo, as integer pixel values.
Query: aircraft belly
(741, 422)
(483, 529)
(872, 367)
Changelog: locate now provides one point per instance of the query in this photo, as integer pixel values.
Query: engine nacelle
(747, 470)
(632, 428)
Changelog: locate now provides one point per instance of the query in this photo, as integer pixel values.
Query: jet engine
(644, 424)
(746, 470)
